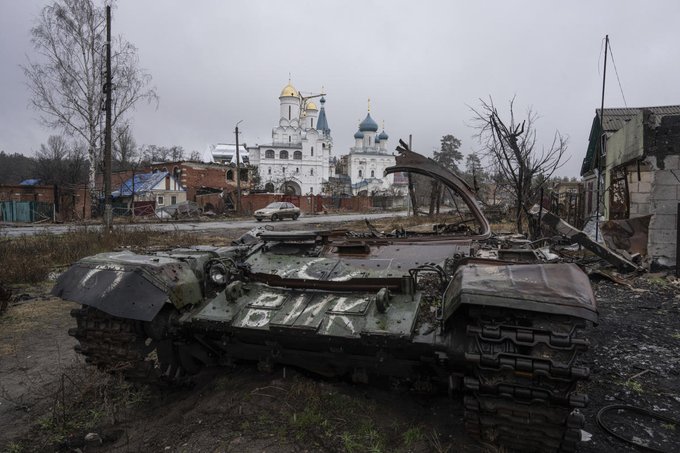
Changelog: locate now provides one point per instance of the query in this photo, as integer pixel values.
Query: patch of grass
(28, 317)
(413, 435)
(29, 259)
(634, 386)
(13, 447)
(84, 399)
(668, 426)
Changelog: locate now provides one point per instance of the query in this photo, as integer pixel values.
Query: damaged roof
(140, 183)
(613, 120)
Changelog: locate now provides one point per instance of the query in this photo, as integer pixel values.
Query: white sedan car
(278, 211)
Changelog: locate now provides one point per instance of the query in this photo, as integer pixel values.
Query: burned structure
(640, 165)
(420, 309)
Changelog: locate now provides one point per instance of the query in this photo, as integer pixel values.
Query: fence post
(677, 242)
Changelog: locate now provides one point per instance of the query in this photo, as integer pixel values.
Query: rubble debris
(578, 236)
(612, 276)
(627, 234)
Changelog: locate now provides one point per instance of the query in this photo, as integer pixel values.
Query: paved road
(10, 231)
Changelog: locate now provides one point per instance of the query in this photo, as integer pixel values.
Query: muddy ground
(51, 401)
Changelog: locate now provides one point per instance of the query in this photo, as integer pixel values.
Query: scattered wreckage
(422, 310)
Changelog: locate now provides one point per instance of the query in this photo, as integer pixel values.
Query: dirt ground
(50, 400)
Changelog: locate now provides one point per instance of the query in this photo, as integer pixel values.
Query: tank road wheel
(275, 217)
(141, 352)
(524, 369)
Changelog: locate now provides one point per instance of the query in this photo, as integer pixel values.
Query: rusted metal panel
(548, 288)
(411, 162)
(119, 292)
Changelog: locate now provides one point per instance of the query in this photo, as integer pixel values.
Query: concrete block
(656, 250)
(644, 187)
(665, 192)
(640, 209)
(671, 162)
(667, 177)
(665, 207)
(639, 198)
(663, 222)
(663, 238)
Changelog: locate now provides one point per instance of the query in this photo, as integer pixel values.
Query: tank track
(120, 346)
(524, 373)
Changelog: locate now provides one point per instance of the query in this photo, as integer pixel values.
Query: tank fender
(561, 289)
(130, 290)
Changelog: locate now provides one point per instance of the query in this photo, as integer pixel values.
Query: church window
(297, 155)
(244, 174)
(297, 170)
(311, 190)
(289, 112)
(290, 139)
(283, 154)
(360, 173)
(311, 172)
(269, 171)
(372, 173)
(312, 122)
(230, 175)
(283, 169)
(312, 151)
(369, 141)
(269, 154)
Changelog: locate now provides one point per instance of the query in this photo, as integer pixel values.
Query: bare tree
(67, 79)
(124, 146)
(155, 153)
(59, 163)
(511, 145)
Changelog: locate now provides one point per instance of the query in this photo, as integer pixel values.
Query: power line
(617, 75)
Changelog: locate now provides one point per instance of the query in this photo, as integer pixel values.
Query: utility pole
(238, 172)
(603, 143)
(108, 211)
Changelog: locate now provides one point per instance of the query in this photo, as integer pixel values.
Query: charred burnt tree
(511, 146)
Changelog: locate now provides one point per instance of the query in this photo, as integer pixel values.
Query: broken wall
(662, 151)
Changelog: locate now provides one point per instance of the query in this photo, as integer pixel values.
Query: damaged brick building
(640, 178)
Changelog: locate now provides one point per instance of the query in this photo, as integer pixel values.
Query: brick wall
(73, 203)
(194, 175)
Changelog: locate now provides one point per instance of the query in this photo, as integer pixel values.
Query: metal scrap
(581, 238)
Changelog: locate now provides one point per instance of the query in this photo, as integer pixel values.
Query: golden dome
(311, 106)
(289, 90)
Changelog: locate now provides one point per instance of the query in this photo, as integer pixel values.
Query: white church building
(297, 159)
(368, 158)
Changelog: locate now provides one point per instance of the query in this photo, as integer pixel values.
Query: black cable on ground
(639, 410)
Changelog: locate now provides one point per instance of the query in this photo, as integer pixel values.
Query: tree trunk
(412, 195)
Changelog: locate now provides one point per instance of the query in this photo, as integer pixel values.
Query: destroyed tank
(417, 309)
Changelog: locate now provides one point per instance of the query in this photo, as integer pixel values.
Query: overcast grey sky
(422, 63)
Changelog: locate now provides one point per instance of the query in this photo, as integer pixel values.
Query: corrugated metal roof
(143, 182)
(616, 118)
(613, 120)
